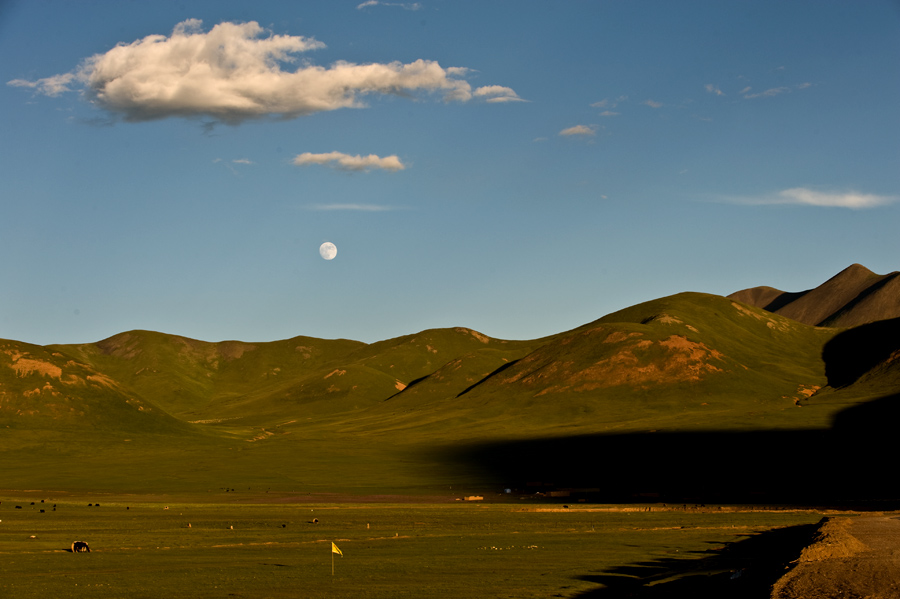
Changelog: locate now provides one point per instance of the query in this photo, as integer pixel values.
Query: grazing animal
(80, 547)
(18, 507)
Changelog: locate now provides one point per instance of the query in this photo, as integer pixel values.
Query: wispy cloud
(49, 86)
(228, 164)
(774, 91)
(809, 197)
(583, 130)
(652, 104)
(713, 89)
(609, 105)
(234, 72)
(497, 93)
(403, 5)
(346, 162)
(769, 93)
(351, 207)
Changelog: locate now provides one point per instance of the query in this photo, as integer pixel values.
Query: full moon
(328, 250)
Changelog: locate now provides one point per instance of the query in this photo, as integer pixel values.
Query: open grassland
(271, 547)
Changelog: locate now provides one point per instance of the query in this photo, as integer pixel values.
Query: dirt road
(855, 557)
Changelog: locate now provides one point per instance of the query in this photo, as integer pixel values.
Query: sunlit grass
(141, 549)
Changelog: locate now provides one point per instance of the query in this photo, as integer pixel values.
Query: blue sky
(520, 168)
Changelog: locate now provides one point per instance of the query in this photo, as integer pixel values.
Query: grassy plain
(140, 549)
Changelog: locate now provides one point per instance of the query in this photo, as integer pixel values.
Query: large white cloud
(234, 72)
(346, 162)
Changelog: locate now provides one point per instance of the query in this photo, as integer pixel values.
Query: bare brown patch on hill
(638, 361)
(27, 366)
(482, 338)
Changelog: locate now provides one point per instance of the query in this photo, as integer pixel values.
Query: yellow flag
(334, 549)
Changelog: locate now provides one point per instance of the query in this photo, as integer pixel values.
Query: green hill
(690, 360)
(145, 411)
(43, 388)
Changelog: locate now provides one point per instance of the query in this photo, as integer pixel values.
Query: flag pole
(334, 549)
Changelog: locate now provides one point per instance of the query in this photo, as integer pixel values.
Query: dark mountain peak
(852, 297)
(857, 270)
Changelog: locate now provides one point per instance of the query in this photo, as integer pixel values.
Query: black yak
(80, 547)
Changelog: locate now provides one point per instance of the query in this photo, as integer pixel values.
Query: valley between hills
(762, 396)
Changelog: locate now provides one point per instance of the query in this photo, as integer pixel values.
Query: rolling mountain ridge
(448, 406)
(853, 297)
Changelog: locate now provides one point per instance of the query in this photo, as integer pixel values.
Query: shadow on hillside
(851, 354)
(784, 299)
(742, 569)
(841, 465)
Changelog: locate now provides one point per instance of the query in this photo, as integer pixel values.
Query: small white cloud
(609, 105)
(403, 5)
(809, 197)
(497, 93)
(579, 130)
(652, 104)
(346, 162)
(713, 89)
(745, 90)
(242, 161)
